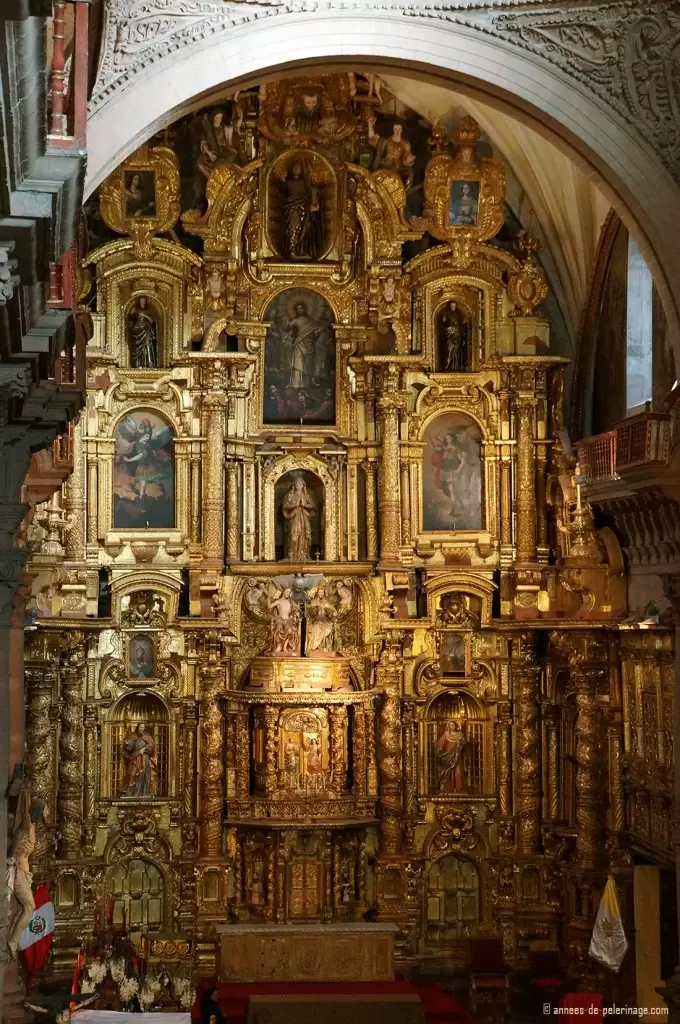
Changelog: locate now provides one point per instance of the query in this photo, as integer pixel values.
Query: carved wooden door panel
(304, 889)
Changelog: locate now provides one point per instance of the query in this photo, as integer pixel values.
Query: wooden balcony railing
(68, 75)
(637, 442)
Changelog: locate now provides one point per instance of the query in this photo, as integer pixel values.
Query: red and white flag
(36, 938)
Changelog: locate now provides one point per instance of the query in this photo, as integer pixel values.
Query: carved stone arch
(288, 464)
(560, 87)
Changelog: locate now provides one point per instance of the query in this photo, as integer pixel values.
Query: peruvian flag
(36, 938)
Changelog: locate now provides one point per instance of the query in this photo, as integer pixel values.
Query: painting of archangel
(452, 474)
(144, 473)
(299, 377)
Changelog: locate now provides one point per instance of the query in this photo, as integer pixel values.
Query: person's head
(300, 309)
(142, 301)
(145, 427)
(309, 102)
(453, 306)
(302, 398)
(449, 439)
(287, 592)
(397, 130)
(218, 118)
(140, 729)
(299, 483)
(135, 182)
(466, 191)
(452, 727)
(321, 592)
(297, 169)
(273, 390)
(461, 434)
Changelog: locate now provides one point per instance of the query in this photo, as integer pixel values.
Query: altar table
(356, 951)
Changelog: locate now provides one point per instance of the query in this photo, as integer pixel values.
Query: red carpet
(440, 1007)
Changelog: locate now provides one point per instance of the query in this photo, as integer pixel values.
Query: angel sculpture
(321, 615)
(284, 616)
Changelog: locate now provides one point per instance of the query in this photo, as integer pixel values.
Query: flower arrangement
(128, 989)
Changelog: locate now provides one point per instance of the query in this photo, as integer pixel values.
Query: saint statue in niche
(454, 340)
(291, 763)
(299, 377)
(284, 616)
(313, 758)
(450, 758)
(452, 474)
(141, 658)
(321, 615)
(139, 752)
(142, 336)
(394, 153)
(298, 510)
(301, 216)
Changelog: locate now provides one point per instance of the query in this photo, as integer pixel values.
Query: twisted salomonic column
(70, 796)
(232, 512)
(338, 727)
(41, 735)
(525, 498)
(587, 788)
(525, 678)
(390, 763)
(388, 405)
(211, 675)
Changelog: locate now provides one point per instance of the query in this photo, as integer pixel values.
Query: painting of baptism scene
(348, 675)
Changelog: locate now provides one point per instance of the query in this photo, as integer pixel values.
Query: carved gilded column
(90, 763)
(74, 500)
(189, 757)
(616, 796)
(232, 512)
(390, 763)
(554, 787)
(93, 497)
(506, 497)
(584, 679)
(405, 505)
(410, 763)
(338, 727)
(525, 679)
(541, 501)
(70, 795)
(214, 403)
(195, 484)
(388, 404)
(359, 753)
(230, 752)
(41, 746)
(504, 768)
(371, 763)
(271, 719)
(211, 676)
(368, 467)
(525, 498)
(242, 754)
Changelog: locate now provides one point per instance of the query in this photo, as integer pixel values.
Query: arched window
(639, 330)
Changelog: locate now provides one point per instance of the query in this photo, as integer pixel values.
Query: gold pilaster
(368, 467)
(232, 511)
(338, 726)
(389, 404)
(525, 499)
(214, 403)
(389, 681)
(211, 675)
(74, 500)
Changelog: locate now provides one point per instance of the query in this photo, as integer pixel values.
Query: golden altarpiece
(323, 629)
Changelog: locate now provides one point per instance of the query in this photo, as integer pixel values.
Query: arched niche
(143, 485)
(144, 346)
(138, 738)
(452, 904)
(456, 738)
(327, 514)
(294, 176)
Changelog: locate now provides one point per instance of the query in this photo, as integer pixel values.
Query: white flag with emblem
(609, 943)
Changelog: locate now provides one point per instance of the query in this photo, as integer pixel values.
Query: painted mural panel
(144, 473)
(452, 474)
(299, 377)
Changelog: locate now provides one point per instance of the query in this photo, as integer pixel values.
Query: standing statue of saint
(139, 751)
(321, 617)
(141, 327)
(454, 340)
(298, 509)
(450, 752)
(301, 216)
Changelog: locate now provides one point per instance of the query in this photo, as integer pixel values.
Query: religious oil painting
(140, 194)
(299, 377)
(452, 474)
(144, 473)
(452, 654)
(141, 657)
(463, 203)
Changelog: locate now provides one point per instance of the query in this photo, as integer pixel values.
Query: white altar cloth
(114, 1017)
